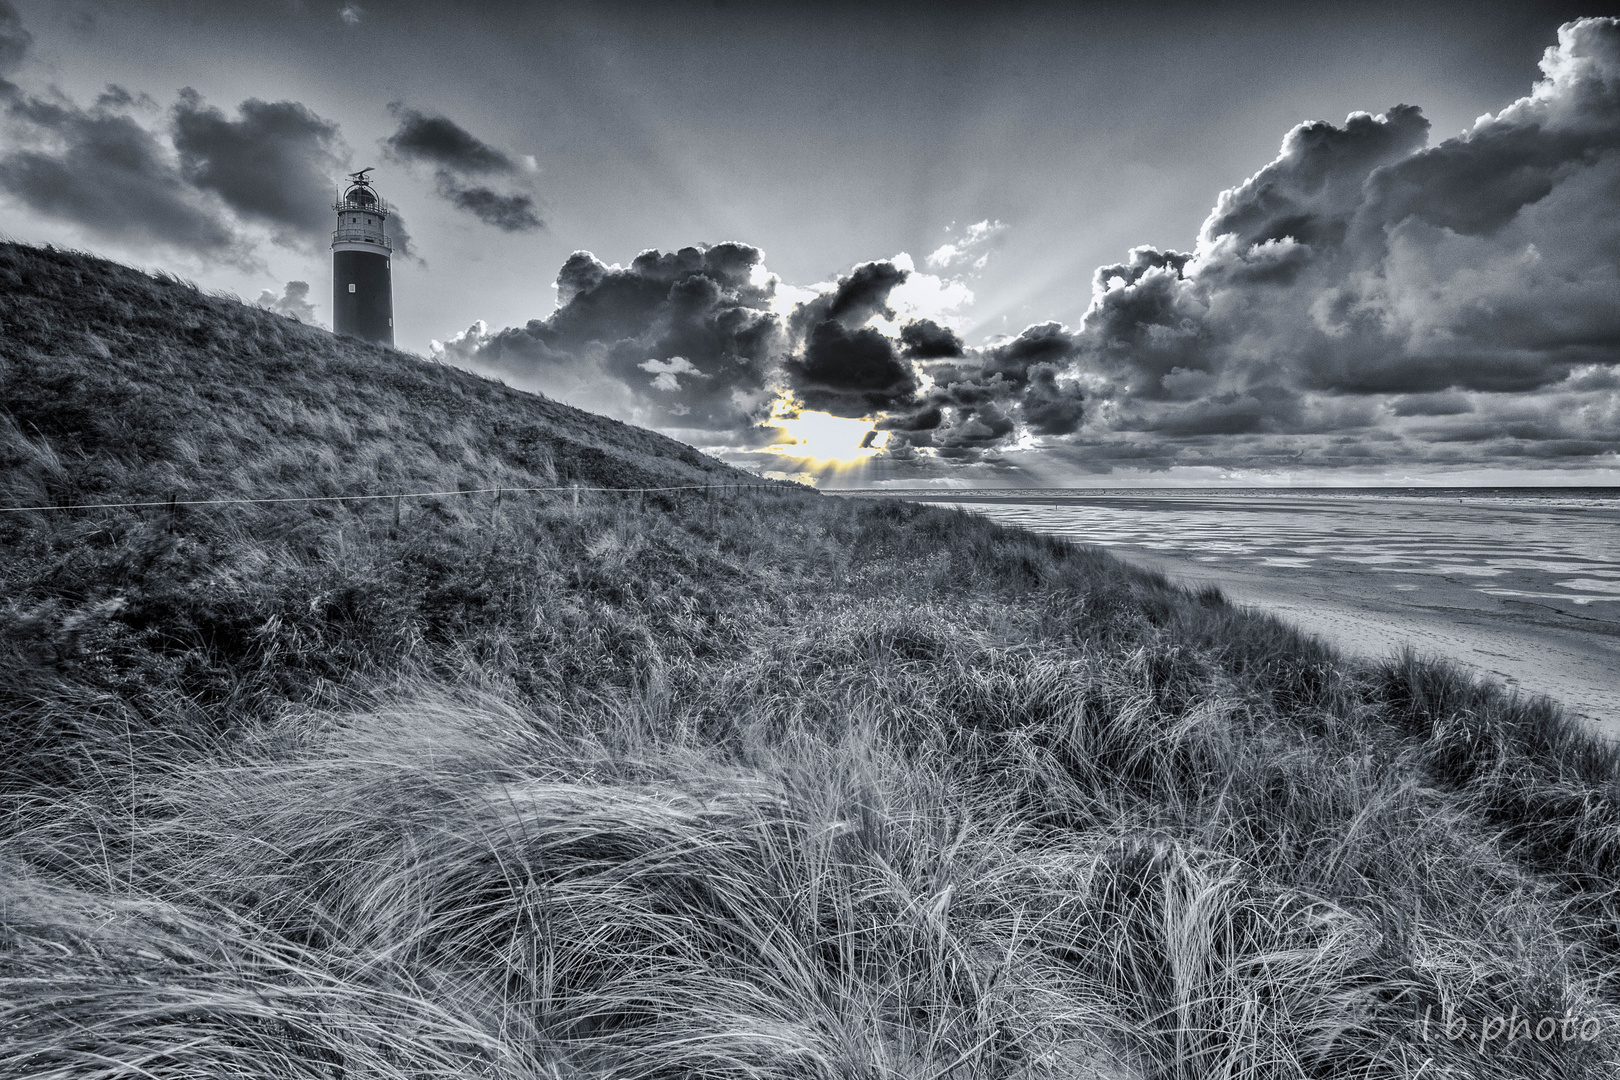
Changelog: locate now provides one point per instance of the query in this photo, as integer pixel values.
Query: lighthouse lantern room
(362, 283)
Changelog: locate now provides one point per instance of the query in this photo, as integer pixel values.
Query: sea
(1559, 544)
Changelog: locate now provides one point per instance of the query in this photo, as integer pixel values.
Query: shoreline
(1578, 669)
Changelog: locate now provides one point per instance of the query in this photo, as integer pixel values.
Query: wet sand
(1524, 643)
(1524, 589)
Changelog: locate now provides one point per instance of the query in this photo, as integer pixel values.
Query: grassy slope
(762, 784)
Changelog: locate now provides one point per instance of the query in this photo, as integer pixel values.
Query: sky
(867, 244)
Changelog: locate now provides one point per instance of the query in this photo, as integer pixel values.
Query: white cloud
(293, 302)
(461, 347)
(969, 248)
(664, 371)
(920, 296)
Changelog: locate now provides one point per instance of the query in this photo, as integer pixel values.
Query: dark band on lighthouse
(362, 280)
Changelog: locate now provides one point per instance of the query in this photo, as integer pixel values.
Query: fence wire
(165, 503)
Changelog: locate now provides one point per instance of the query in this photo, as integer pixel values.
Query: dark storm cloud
(509, 213)
(983, 399)
(682, 339)
(1143, 321)
(456, 155)
(851, 373)
(1043, 346)
(924, 339)
(1050, 407)
(275, 164)
(924, 418)
(108, 173)
(14, 41)
(980, 400)
(102, 168)
(400, 237)
(845, 367)
(441, 142)
(1366, 286)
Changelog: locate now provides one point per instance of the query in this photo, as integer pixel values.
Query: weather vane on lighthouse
(362, 282)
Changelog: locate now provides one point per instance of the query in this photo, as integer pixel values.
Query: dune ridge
(734, 782)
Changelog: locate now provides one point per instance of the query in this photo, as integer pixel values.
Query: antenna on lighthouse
(362, 281)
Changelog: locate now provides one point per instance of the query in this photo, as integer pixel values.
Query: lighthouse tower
(362, 284)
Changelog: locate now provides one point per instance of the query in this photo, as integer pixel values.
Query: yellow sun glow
(826, 439)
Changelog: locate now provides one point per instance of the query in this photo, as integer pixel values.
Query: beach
(1522, 585)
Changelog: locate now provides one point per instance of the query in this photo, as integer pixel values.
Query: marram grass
(748, 784)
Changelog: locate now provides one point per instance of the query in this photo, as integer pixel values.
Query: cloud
(275, 164)
(189, 188)
(697, 342)
(983, 401)
(1313, 188)
(15, 41)
(1367, 297)
(844, 366)
(109, 174)
(923, 296)
(351, 14)
(400, 236)
(293, 302)
(509, 213)
(116, 97)
(935, 396)
(852, 373)
(456, 155)
(968, 248)
(683, 339)
(442, 142)
(97, 168)
(855, 300)
(1366, 300)
(925, 339)
(664, 372)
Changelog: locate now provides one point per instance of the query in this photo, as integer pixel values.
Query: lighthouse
(362, 283)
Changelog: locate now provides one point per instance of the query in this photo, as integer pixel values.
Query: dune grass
(742, 782)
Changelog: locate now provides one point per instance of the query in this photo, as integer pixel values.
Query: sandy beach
(1524, 588)
(1526, 643)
